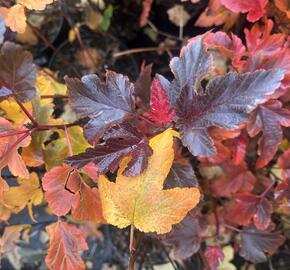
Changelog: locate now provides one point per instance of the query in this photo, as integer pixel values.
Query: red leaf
(66, 242)
(268, 118)
(248, 207)
(185, 238)
(255, 8)
(214, 256)
(255, 244)
(237, 179)
(161, 111)
(145, 12)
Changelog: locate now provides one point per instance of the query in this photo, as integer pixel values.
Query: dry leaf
(178, 15)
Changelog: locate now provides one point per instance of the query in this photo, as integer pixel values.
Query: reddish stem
(267, 190)
(17, 132)
(232, 228)
(34, 122)
(19, 140)
(68, 142)
(54, 96)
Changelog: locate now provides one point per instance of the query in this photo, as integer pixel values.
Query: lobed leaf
(104, 104)
(120, 141)
(17, 73)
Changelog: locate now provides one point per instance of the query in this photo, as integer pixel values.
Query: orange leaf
(14, 18)
(65, 191)
(35, 4)
(66, 242)
(9, 149)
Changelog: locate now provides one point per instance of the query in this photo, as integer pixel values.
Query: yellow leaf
(35, 4)
(28, 193)
(14, 18)
(27, 37)
(229, 255)
(141, 200)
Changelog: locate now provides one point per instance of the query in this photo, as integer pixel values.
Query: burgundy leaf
(185, 237)
(17, 73)
(214, 256)
(120, 141)
(268, 118)
(194, 62)
(180, 175)
(284, 163)
(225, 103)
(104, 104)
(161, 111)
(143, 84)
(256, 244)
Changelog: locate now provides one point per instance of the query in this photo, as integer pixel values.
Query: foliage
(197, 159)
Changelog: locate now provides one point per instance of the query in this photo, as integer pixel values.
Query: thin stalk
(132, 248)
(19, 140)
(68, 142)
(17, 132)
(27, 113)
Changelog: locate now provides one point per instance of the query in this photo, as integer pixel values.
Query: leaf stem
(132, 248)
(53, 96)
(68, 142)
(17, 132)
(19, 140)
(232, 228)
(27, 113)
(267, 190)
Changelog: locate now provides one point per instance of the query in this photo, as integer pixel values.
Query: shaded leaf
(185, 237)
(268, 118)
(120, 141)
(17, 73)
(143, 84)
(147, 205)
(104, 103)
(256, 244)
(66, 242)
(181, 175)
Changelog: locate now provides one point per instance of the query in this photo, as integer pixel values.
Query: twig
(141, 50)
(48, 44)
(232, 228)
(17, 132)
(156, 30)
(204, 260)
(31, 118)
(54, 96)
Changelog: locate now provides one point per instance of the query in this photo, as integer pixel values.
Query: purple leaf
(120, 141)
(17, 73)
(225, 103)
(104, 104)
(256, 244)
